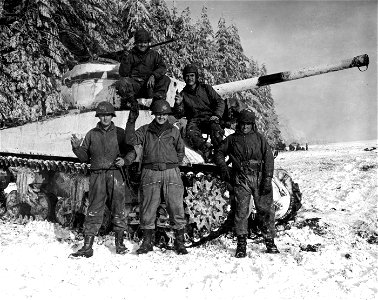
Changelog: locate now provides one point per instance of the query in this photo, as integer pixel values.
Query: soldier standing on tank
(163, 150)
(107, 150)
(251, 173)
(142, 72)
(203, 108)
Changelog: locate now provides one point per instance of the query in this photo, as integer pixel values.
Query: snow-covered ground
(330, 252)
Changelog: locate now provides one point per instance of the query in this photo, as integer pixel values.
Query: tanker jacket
(159, 152)
(245, 147)
(101, 147)
(142, 64)
(202, 102)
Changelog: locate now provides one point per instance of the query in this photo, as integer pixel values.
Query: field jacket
(101, 147)
(142, 64)
(159, 152)
(245, 148)
(202, 102)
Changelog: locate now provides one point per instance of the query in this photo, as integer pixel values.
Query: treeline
(42, 39)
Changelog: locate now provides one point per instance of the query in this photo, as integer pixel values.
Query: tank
(41, 178)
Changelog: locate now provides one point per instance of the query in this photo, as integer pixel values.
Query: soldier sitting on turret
(203, 108)
(142, 72)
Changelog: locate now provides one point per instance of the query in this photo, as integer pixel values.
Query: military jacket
(244, 148)
(202, 102)
(142, 64)
(101, 147)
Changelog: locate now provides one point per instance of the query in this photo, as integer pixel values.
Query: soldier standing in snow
(203, 108)
(163, 150)
(252, 172)
(143, 72)
(105, 148)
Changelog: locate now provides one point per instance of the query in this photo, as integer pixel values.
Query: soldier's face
(190, 79)
(161, 118)
(142, 46)
(105, 120)
(245, 127)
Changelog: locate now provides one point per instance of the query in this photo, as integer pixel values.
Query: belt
(252, 164)
(160, 166)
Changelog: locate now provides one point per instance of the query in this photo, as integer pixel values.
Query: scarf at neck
(157, 128)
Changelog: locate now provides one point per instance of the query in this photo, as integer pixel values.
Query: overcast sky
(289, 35)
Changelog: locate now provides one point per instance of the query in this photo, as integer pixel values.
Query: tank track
(63, 188)
(206, 202)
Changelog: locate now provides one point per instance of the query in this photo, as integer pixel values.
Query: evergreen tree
(41, 39)
(203, 52)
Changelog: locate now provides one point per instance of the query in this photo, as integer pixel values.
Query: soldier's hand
(178, 98)
(266, 186)
(214, 118)
(75, 141)
(133, 115)
(119, 162)
(151, 81)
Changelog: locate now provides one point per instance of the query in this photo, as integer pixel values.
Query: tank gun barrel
(255, 82)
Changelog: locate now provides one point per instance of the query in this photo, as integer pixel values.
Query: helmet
(142, 36)
(160, 107)
(105, 108)
(190, 69)
(246, 116)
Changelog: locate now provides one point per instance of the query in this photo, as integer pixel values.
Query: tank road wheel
(42, 207)
(287, 200)
(207, 206)
(13, 204)
(286, 195)
(63, 212)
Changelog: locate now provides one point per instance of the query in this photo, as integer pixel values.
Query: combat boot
(271, 246)
(241, 248)
(86, 250)
(120, 246)
(180, 242)
(148, 241)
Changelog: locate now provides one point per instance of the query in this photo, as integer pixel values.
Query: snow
(329, 252)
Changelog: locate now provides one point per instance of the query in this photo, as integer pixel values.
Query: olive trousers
(155, 186)
(245, 187)
(105, 186)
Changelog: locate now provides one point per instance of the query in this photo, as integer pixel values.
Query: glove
(133, 115)
(266, 186)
